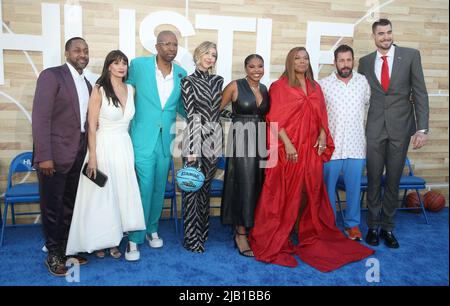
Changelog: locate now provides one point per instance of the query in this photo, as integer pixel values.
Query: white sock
(133, 246)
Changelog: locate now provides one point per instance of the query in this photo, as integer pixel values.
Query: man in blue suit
(158, 99)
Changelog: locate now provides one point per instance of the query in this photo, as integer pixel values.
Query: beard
(78, 65)
(345, 74)
(386, 48)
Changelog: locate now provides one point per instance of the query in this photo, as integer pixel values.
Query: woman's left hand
(92, 167)
(321, 142)
(191, 158)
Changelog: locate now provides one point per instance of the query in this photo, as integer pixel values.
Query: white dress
(102, 214)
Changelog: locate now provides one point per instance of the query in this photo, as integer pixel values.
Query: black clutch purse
(100, 178)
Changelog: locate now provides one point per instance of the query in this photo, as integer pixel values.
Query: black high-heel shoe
(245, 253)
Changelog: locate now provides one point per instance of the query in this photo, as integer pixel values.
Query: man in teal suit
(158, 99)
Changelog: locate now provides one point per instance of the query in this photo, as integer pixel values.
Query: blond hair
(202, 49)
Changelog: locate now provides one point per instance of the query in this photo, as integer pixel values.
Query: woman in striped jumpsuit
(202, 143)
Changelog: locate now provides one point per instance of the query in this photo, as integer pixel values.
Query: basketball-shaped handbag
(190, 179)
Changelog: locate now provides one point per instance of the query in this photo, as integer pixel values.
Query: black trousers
(384, 152)
(57, 195)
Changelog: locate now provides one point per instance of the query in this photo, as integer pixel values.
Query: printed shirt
(346, 108)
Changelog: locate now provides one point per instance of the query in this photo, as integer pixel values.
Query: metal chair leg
(422, 206)
(4, 223)
(13, 214)
(340, 207)
(174, 213)
(404, 198)
(182, 216)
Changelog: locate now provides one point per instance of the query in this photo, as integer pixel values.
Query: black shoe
(372, 237)
(245, 253)
(55, 265)
(389, 239)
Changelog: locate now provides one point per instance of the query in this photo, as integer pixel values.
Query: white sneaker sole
(154, 244)
(352, 238)
(132, 256)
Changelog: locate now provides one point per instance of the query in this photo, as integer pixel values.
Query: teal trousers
(152, 175)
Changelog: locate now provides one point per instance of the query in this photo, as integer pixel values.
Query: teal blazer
(150, 118)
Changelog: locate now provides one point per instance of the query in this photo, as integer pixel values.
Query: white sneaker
(132, 252)
(154, 241)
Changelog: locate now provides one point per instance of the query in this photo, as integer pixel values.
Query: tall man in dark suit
(59, 141)
(398, 110)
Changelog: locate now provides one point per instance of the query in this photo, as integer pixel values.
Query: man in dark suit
(59, 146)
(398, 110)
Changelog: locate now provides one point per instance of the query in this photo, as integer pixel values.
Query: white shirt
(165, 85)
(346, 108)
(83, 94)
(379, 62)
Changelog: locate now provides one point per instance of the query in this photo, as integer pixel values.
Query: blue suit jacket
(150, 118)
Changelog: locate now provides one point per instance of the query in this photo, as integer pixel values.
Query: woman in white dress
(102, 214)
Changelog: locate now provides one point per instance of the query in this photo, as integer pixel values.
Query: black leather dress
(245, 149)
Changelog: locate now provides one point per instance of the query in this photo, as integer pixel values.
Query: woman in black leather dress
(244, 173)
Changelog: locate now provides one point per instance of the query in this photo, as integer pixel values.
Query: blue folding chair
(412, 182)
(217, 184)
(171, 193)
(19, 193)
(407, 182)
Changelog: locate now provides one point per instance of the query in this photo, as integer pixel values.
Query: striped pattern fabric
(201, 93)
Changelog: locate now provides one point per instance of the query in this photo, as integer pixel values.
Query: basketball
(412, 201)
(434, 201)
(190, 179)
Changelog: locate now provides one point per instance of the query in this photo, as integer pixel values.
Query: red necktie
(385, 74)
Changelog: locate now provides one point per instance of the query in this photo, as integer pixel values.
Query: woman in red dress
(295, 186)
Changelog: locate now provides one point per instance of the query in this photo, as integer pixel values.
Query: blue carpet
(422, 259)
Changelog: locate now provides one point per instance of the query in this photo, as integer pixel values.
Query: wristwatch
(424, 131)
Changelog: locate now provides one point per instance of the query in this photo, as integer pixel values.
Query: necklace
(254, 88)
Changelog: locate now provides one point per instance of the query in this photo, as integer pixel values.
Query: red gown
(321, 243)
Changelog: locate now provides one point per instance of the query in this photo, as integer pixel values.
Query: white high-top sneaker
(132, 252)
(154, 241)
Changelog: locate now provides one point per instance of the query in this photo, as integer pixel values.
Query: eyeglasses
(168, 44)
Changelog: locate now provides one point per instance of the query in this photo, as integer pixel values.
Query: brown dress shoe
(81, 260)
(55, 265)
